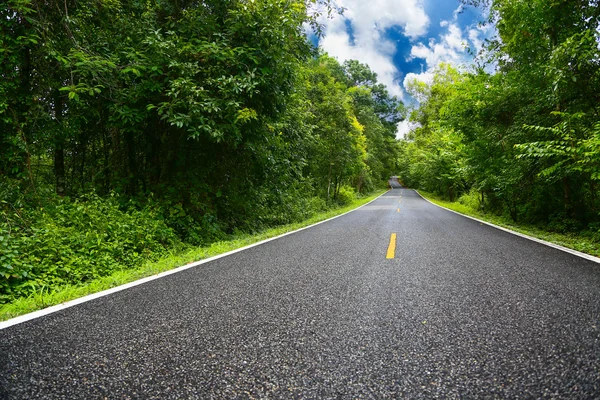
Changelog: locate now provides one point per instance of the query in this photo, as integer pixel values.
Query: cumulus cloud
(369, 21)
(382, 14)
(450, 48)
(458, 10)
(404, 127)
(453, 45)
(424, 77)
(411, 79)
(475, 36)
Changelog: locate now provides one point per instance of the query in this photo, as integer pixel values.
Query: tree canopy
(192, 120)
(524, 139)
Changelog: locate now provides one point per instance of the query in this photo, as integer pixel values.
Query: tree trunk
(360, 182)
(567, 196)
(83, 153)
(153, 156)
(106, 176)
(513, 211)
(482, 203)
(329, 181)
(336, 187)
(593, 192)
(59, 168)
(131, 164)
(59, 148)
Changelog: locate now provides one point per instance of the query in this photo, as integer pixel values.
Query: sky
(403, 39)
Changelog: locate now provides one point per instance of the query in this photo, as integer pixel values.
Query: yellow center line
(398, 210)
(392, 247)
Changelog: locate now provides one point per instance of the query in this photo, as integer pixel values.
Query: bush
(191, 227)
(346, 195)
(74, 241)
(561, 223)
(472, 199)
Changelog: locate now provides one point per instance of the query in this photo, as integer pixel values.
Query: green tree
(528, 132)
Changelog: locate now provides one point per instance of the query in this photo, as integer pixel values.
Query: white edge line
(93, 296)
(550, 244)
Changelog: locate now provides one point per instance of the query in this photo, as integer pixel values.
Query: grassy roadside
(575, 241)
(43, 299)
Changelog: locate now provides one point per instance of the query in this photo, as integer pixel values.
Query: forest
(518, 135)
(130, 129)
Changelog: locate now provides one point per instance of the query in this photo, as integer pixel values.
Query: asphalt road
(393, 183)
(461, 310)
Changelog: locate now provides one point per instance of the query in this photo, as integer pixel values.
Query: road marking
(392, 247)
(398, 209)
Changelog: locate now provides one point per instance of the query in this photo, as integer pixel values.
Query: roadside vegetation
(585, 241)
(518, 140)
(49, 295)
(135, 132)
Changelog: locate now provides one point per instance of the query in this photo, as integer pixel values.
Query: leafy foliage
(526, 137)
(130, 128)
(73, 241)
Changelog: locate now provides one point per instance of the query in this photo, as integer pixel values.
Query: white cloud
(454, 38)
(370, 20)
(409, 82)
(475, 38)
(450, 48)
(404, 127)
(425, 77)
(458, 10)
(383, 14)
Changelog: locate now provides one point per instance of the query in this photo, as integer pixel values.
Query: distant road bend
(394, 184)
(399, 299)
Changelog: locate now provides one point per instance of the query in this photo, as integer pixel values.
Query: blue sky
(437, 11)
(403, 40)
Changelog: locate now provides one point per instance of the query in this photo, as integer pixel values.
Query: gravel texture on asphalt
(463, 310)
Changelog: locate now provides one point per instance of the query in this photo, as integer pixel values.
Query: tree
(528, 131)
(340, 149)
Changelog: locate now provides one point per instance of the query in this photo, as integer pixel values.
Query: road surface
(393, 183)
(451, 309)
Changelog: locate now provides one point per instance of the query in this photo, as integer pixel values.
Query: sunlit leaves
(574, 148)
(530, 130)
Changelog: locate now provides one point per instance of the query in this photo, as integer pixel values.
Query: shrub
(561, 223)
(346, 195)
(74, 241)
(472, 199)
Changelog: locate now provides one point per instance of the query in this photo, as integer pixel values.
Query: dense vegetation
(523, 141)
(130, 129)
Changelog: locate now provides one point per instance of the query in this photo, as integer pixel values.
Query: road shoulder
(53, 307)
(532, 238)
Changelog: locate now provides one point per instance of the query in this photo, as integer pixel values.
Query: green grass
(45, 298)
(576, 241)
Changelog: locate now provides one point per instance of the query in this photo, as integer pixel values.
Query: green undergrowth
(48, 296)
(584, 241)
